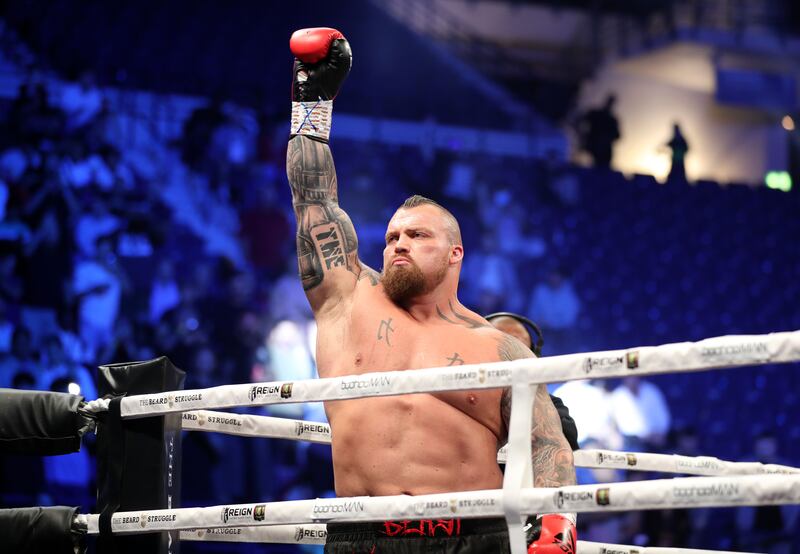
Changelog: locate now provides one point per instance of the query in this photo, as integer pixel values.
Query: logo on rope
(232, 421)
(286, 390)
(301, 533)
(745, 351)
(606, 362)
(259, 512)
(339, 508)
(301, 427)
(720, 491)
(220, 531)
(236, 513)
(616, 458)
(698, 464)
(379, 382)
(573, 498)
(632, 359)
(144, 519)
(603, 497)
(259, 391)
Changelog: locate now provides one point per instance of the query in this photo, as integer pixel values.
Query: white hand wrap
(312, 118)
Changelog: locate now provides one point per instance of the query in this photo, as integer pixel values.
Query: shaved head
(453, 229)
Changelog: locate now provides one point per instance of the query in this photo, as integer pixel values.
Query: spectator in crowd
(56, 365)
(97, 286)
(165, 293)
(555, 305)
(10, 284)
(679, 148)
(22, 358)
(81, 102)
(641, 413)
(98, 222)
(598, 130)
(490, 278)
(48, 253)
(37, 118)
(590, 406)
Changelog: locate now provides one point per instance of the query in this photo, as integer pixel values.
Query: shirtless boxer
(407, 317)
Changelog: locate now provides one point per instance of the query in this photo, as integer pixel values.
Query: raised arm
(326, 241)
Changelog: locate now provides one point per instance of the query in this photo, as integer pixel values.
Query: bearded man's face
(402, 282)
(417, 253)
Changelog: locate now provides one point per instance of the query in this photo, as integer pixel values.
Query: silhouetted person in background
(597, 130)
(679, 148)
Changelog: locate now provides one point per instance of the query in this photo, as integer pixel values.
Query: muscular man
(520, 328)
(406, 317)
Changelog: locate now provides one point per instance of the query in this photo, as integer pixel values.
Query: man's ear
(456, 254)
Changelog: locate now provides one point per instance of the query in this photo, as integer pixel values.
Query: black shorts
(437, 536)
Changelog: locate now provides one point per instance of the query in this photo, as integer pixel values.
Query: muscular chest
(385, 338)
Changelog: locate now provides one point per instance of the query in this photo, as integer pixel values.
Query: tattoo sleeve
(551, 458)
(327, 246)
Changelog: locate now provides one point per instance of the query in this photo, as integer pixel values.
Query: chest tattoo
(455, 360)
(384, 330)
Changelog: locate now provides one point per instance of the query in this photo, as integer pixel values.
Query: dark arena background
(623, 173)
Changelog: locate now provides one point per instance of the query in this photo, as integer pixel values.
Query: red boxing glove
(312, 45)
(322, 62)
(553, 534)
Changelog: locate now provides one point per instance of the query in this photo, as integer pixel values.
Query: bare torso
(410, 444)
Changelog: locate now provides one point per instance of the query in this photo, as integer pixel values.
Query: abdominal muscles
(411, 444)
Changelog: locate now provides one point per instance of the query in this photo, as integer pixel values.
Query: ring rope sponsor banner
(727, 351)
(586, 547)
(673, 463)
(256, 426)
(313, 533)
(316, 432)
(684, 492)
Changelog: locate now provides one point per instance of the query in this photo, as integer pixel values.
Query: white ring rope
(249, 425)
(685, 492)
(315, 534)
(719, 352)
(516, 498)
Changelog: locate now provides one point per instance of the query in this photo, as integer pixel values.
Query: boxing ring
(714, 482)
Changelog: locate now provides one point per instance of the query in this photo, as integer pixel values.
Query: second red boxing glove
(553, 534)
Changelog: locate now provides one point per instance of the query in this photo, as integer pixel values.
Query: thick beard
(404, 282)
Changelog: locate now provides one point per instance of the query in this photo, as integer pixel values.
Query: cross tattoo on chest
(384, 329)
(455, 360)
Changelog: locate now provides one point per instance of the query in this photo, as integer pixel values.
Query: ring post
(138, 461)
(519, 471)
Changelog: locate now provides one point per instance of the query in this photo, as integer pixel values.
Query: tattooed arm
(553, 465)
(327, 246)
